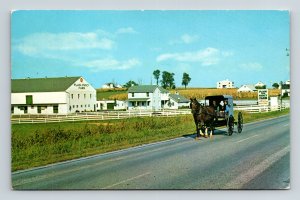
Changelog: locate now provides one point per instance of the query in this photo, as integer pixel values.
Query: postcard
(150, 99)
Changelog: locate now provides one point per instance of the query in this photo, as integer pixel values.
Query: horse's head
(194, 105)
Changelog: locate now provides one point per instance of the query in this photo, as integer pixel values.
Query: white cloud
(185, 39)
(125, 30)
(111, 64)
(254, 66)
(208, 56)
(44, 43)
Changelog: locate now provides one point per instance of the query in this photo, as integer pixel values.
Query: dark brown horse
(204, 116)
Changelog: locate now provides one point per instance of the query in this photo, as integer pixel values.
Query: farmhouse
(225, 84)
(61, 95)
(150, 97)
(247, 88)
(178, 101)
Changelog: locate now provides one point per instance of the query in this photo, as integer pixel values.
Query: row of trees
(167, 80)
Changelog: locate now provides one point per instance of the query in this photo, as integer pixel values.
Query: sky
(117, 46)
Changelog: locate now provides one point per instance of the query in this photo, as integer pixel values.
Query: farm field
(42, 144)
(199, 93)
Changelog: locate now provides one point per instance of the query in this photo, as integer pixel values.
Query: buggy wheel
(230, 125)
(240, 122)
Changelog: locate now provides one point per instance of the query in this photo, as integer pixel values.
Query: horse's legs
(201, 131)
(211, 131)
(197, 130)
(206, 131)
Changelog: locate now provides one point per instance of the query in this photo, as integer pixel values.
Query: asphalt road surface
(258, 158)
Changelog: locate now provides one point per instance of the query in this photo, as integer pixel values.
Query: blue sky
(105, 46)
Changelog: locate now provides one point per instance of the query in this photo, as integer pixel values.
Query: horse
(203, 115)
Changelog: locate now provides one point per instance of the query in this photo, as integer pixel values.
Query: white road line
(286, 124)
(124, 181)
(246, 139)
(258, 169)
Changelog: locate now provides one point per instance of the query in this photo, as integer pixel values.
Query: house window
(55, 109)
(147, 94)
(78, 96)
(148, 103)
(12, 109)
(133, 104)
(39, 109)
(90, 96)
(29, 99)
(72, 96)
(143, 103)
(73, 106)
(84, 95)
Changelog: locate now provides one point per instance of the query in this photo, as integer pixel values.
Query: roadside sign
(263, 97)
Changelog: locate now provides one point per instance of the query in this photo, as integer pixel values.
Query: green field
(40, 144)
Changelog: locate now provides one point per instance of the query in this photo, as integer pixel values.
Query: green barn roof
(178, 98)
(42, 84)
(146, 88)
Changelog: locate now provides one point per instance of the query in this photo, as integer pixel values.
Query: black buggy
(222, 118)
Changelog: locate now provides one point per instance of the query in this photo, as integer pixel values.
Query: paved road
(258, 158)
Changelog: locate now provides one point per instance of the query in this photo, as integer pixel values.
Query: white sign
(263, 97)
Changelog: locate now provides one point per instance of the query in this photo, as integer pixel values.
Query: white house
(111, 105)
(62, 95)
(247, 88)
(111, 86)
(178, 101)
(108, 86)
(150, 97)
(285, 88)
(225, 84)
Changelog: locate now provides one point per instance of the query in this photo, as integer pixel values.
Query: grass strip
(36, 145)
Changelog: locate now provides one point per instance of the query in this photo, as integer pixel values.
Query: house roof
(146, 88)
(42, 84)
(251, 87)
(178, 98)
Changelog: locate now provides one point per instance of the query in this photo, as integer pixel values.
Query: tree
(156, 74)
(185, 79)
(261, 87)
(167, 80)
(130, 83)
(275, 85)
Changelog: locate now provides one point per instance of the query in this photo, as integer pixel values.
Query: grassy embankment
(199, 93)
(40, 144)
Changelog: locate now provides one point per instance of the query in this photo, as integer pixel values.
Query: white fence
(106, 115)
(259, 109)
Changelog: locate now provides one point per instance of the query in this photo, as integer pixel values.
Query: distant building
(60, 95)
(150, 97)
(259, 84)
(247, 88)
(225, 84)
(178, 101)
(111, 105)
(111, 86)
(285, 88)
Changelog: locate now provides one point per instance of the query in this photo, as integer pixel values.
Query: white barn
(247, 88)
(62, 95)
(149, 97)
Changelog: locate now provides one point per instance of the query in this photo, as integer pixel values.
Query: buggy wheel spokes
(230, 125)
(240, 122)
